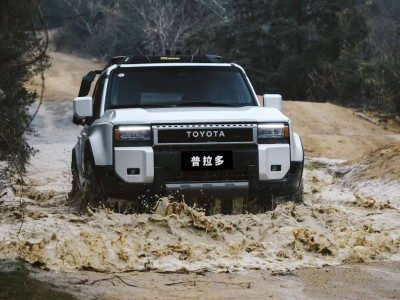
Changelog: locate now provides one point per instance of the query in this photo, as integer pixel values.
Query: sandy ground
(331, 131)
(343, 243)
(63, 79)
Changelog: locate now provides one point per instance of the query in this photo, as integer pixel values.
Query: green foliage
(381, 68)
(382, 77)
(21, 56)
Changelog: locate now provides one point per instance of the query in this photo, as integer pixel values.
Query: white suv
(183, 124)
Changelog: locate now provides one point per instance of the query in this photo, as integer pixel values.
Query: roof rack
(157, 59)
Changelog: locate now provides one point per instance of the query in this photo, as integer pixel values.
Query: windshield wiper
(179, 104)
(138, 106)
(204, 103)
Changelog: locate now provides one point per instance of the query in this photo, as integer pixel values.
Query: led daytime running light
(266, 131)
(132, 133)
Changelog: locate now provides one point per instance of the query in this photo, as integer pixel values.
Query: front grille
(210, 176)
(205, 133)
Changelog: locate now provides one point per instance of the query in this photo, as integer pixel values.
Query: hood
(187, 115)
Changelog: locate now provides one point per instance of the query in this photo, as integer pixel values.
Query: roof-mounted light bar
(167, 58)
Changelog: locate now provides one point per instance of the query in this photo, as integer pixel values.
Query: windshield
(178, 86)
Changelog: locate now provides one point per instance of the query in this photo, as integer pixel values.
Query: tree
(22, 54)
(88, 25)
(166, 23)
(293, 47)
(381, 69)
(106, 28)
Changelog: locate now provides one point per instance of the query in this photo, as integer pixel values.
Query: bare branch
(218, 6)
(93, 8)
(167, 23)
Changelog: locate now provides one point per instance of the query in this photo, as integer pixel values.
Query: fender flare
(298, 151)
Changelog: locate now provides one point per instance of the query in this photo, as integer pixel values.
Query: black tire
(76, 191)
(296, 197)
(93, 195)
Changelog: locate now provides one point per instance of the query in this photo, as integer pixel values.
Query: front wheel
(76, 191)
(93, 195)
(297, 197)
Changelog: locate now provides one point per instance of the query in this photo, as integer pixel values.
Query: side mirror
(273, 100)
(83, 108)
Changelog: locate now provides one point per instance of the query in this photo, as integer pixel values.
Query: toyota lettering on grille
(190, 135)
(208, 133)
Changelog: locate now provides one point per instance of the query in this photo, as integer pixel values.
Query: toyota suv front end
(190, 126)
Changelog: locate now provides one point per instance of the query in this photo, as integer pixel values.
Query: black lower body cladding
(240, 177)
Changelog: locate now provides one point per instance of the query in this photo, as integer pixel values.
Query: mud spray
(179, 238)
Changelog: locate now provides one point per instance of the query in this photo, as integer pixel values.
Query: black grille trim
(209, 176)
(205, 133)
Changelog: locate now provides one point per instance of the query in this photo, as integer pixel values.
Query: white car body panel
(247, 114)
(141, 158)
(269, 155)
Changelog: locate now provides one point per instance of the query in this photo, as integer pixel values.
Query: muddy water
(179, 238)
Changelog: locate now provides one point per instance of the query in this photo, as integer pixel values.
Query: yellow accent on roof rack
(169, 58)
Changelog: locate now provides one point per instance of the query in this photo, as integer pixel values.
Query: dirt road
(63, 79)
(344, 242)
(331, 131)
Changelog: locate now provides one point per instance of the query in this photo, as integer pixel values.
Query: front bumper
(137, 164)
(250, 186)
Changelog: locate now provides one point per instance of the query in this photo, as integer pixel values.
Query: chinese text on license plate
(207, 160)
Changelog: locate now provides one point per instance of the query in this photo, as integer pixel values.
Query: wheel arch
(298, 151)
(100, 141)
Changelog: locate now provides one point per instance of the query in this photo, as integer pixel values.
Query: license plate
(207, 160)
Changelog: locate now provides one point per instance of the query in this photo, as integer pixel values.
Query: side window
(97, 94)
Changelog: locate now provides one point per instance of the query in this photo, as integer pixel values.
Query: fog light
(133, 171)
(276, 168)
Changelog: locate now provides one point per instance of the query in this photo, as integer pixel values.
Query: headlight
(132, 134)
(273, 133)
